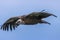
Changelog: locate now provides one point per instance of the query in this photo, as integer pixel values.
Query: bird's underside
(30, 19)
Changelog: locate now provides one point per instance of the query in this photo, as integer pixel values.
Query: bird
(29, 19)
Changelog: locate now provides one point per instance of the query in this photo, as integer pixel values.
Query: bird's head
(20, 21)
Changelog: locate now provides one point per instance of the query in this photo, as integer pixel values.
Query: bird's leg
(42, 21)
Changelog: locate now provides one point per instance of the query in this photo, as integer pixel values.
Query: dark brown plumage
(30, 19)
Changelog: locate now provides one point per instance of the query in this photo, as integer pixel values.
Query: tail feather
(45, 22)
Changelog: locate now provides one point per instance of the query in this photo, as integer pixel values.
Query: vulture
(30, 19)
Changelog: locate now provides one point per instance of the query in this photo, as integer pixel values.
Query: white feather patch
(20, 21)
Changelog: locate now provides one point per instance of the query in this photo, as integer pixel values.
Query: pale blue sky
(10, 8)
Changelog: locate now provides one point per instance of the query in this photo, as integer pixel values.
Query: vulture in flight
(30, 19)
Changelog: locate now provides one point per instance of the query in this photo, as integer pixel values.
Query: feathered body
(30, 19)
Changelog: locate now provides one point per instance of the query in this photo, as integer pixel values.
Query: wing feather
(39, 15)
(10, 24)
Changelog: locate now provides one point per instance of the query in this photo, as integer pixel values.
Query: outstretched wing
(45, 14)
(39, 15)
(10, 24)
